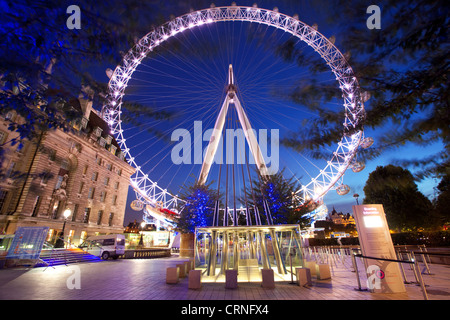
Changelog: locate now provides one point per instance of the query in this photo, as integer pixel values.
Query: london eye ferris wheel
(197, 65)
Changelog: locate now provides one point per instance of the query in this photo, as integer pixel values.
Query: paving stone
(141, 279)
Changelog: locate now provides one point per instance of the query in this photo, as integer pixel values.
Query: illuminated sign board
(375, 240)
(27, 243)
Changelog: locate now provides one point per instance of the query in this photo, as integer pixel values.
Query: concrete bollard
(182, 270)
(192, 264)
(323, 271)
(172, 275)
(188, 265)
(311, 265)
(303, 276)
(268, 280)
(231, 279)
(195, 279)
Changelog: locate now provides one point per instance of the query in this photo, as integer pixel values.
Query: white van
(111, 245)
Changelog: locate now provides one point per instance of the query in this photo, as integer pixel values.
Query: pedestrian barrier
(303, 276)
(172, 275)
(195, 279)
(323, 271)
(311, 265)
(231, 279)
(268, 280)
(189, 265)
(182, 270)
(145, 254)
(414, 264)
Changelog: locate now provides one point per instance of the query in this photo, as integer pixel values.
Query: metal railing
(416, 257)
(413, 262)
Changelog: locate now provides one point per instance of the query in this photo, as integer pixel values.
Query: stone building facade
(82, 170)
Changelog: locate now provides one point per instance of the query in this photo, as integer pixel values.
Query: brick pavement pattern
(144, 279)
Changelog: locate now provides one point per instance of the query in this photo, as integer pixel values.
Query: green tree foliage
(43, 63)
(405, 68)
(442, 202)
(198, 211)
(405, 206)
(277, 191)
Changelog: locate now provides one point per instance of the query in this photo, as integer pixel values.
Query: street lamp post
(356, 196)
(60, 242)
(141, 240)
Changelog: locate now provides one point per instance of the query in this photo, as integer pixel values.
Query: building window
(55, 209)
(80, 189)
(85, 169)
(63, 175)
(71, 234)
(106, 181)
(10, 169)
(58, 182)
(3, 136)
(75, 212)
(110, 220)
(45, 177)
(94, 176)
(91, 193)
(37, 203)
(51, 155)
(99, 217)
(114, 200)
(3, 195)
(87, 213)
(113, 149)
(116, 185)
(83, 236)
(103, 196)
(50, 235)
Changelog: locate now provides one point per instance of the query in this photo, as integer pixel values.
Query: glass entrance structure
(248, 249)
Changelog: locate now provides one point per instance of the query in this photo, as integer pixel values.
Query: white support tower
(231, 98)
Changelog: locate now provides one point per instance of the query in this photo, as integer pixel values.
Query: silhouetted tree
(405, 68)
(405, 206)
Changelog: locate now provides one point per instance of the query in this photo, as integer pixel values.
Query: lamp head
(67, 213)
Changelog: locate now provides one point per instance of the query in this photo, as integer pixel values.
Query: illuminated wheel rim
(147, 190)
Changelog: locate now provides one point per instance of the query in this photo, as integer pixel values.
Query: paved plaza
(144, 279)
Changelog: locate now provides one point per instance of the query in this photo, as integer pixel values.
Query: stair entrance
(54, 257)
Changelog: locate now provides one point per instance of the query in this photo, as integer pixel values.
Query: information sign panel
(27, 243)
(375, 240)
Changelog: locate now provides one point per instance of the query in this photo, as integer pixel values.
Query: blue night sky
(191, 83)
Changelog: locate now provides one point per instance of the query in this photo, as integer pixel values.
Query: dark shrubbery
(333, 242)
(430, 239)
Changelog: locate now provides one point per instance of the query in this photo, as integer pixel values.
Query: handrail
(426, 253)
(384, 259)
